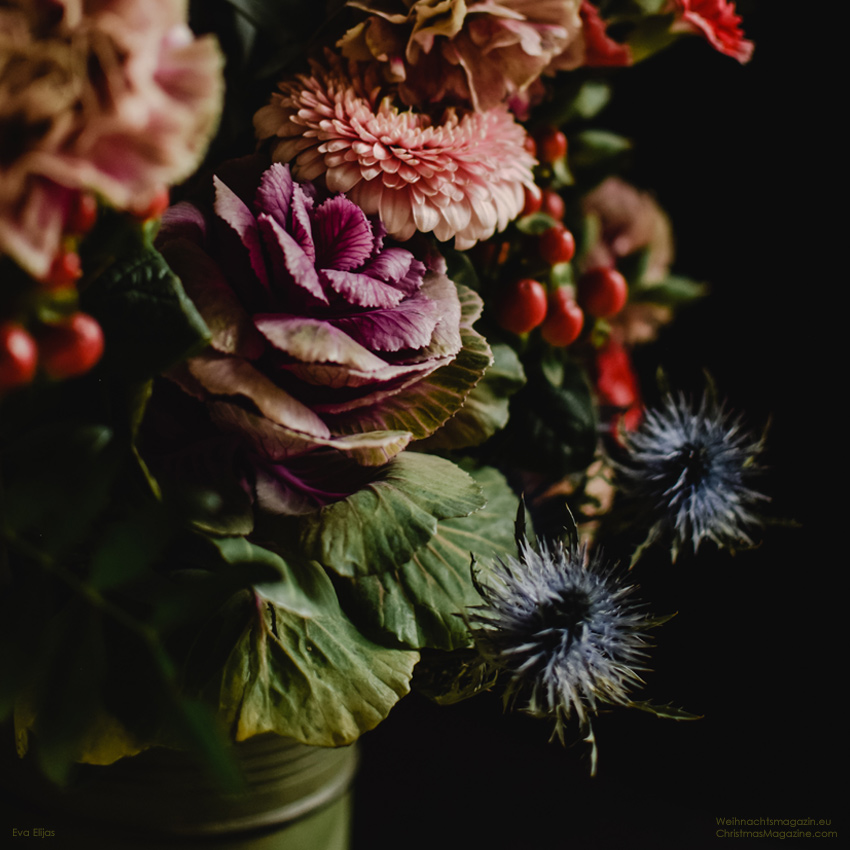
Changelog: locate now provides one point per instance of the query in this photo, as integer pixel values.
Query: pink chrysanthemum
(717, 21)
(111, 97)
(461, 177)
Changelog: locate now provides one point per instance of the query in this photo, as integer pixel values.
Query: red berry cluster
(524, 304)
(61, 349)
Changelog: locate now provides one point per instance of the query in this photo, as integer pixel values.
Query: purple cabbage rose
(327, 344)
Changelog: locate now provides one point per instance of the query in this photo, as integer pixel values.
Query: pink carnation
(114, 97)
(717, 21)
(462, 176)
(467, 52)
(628, 221)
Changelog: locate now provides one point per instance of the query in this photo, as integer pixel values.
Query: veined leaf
(311, 676)
(485, 410)
(148, 320)
(384, 523)
(420, 602)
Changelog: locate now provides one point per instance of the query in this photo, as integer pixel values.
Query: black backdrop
(740, 159)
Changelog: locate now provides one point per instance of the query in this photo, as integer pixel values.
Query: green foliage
(308, 674)
(419, 603)
(486, 408)
(81, 462)
(552, 425)
(597, 149)
(148, 320)
(388, 520)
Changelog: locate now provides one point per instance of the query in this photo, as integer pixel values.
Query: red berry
(18, 356)
(530, 145)
(65, 271)
(521, 306)
(551, 145)
(553, 204)
(71, 347)
(557, 245)
(564, 319)
(533, 201)
(603, 292)
(83, 214)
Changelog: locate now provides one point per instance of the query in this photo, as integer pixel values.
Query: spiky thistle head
(561, 627)
(691, 468)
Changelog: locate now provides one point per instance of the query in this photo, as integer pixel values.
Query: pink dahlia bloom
(715, 20)
(325, 339)
(467, 52)
(462, 176)
(112, 97)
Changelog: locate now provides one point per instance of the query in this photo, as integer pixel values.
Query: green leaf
(313, 677)
(592, 148)
(536, 224)
(126, 549)
(591, 99)
(668, 711)
(651, 35)
(420, 603)
(485, 410)
(66, 691)
(148, 320)
(574, 99)
(447, 678)
(80, 462)
(460, 269)
(673, 291)
(385, 522)
(297, 591)
(552, 428)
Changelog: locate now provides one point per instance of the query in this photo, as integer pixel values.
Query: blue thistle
(563, 630)
(690, 469)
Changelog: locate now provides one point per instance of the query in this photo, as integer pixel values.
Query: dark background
(739, 157)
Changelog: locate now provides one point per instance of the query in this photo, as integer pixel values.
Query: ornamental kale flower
(691, 470)
(326, 340)
(461, 176)
(476, 53)
(116, 99)
(565, 631)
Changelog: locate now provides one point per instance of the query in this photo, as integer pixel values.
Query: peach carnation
(478, 52)
(111, 97)
(462, 176)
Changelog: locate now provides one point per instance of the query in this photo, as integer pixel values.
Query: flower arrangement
(263, 442)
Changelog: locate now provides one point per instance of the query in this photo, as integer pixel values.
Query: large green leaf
(148, 320)
(485, 410)
(311, 676)
(385, 522)
(419, 603)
